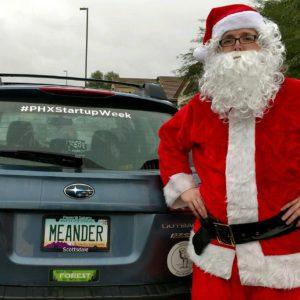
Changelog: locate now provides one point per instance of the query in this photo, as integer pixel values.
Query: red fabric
(218, 13)
(209, 287)
(277, 157)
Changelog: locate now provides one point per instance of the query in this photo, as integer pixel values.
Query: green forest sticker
(73, 275)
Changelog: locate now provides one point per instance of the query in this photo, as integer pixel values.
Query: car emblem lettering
(79, 191)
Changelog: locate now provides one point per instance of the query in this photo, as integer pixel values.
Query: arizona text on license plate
(75, 233)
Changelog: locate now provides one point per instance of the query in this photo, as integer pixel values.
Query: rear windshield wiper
(45, 157)
(151, 164)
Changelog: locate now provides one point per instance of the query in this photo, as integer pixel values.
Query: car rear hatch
(98, 222)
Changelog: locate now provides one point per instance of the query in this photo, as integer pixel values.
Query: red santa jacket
(249, 169)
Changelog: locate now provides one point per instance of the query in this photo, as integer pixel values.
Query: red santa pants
(209, 287)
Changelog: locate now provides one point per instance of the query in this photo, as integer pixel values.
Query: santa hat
(225, 18)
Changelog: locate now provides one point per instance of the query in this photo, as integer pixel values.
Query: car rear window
(113, 138)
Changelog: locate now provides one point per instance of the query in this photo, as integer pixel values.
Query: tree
(95, 85)
(111, 76)
(191, 69)
(285, 13)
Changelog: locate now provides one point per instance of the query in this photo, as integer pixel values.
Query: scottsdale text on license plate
(77, 234)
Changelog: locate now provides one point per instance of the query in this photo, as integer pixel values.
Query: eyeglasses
(245, 39)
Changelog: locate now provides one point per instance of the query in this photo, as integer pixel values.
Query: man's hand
(194, 201)
(293, 212)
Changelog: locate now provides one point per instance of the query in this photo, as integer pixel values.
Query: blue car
(82, 213)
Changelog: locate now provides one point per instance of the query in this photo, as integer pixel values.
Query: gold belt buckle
(224, 234)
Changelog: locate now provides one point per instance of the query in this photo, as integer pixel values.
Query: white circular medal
(178, 262)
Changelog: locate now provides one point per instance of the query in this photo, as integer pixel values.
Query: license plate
(75, 233)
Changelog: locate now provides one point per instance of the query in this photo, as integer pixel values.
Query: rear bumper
(170, 291)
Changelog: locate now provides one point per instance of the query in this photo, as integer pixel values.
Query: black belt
(230, 235)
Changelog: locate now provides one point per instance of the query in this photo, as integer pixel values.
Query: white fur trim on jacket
(241, 190)
(177, 184)
(276, 271)
(214, 260)
(245, 19)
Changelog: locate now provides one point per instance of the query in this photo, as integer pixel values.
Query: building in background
(172, 85)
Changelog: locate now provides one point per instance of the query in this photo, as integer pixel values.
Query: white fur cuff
(177, 184)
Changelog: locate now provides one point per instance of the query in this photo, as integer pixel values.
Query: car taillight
(76, 92)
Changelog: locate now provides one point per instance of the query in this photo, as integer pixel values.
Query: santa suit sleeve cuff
(178, 184)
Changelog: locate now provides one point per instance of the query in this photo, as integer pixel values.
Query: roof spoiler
(64, 78)
(147, 89)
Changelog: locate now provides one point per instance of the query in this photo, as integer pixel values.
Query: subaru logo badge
(79, 191)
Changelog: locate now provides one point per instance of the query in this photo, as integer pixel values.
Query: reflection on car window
(113, 138)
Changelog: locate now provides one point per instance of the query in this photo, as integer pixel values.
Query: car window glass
(113, 138)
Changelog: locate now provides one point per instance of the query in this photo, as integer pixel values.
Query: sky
(134, 38)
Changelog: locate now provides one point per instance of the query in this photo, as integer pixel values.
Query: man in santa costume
(243, 129)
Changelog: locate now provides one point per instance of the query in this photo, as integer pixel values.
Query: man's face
(239, 40)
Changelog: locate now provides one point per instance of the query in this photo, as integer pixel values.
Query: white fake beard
(243, 80)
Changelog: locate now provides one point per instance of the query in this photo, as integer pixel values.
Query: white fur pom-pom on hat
(200, 53)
